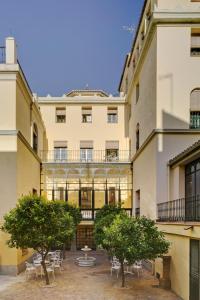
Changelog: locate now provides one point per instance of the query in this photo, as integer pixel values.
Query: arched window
(35, 138)
(195, 109)
(137, 136)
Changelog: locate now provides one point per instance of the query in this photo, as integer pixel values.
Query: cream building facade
(88, 161)
(22, 137)
(161, 84)
(128, 149)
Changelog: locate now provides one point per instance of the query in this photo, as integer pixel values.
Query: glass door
(86, 198)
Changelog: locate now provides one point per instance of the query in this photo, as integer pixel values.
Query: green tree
(38, 224)
(74, 211)
(133, 239)
(104, 217)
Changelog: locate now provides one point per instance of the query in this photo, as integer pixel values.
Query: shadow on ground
(78, 283)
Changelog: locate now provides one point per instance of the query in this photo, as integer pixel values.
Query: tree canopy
(131, 239)
(104, 217)
(39, 224)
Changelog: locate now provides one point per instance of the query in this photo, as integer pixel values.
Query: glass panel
(126, 199)
(86, 198)
(190, 185)
(198, 182)
(86, 154)
(60, 153)
(99, 199)
(73, 197)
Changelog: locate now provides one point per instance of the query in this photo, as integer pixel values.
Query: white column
(11, 51)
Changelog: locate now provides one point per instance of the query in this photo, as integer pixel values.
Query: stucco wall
(8, 103)
(177, 75)
(177, 4)
(28, 171)
(144, 179)
(74, 131)
(144, 111)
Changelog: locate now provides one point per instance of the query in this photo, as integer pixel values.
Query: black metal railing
(180, 210)
(97, 156)
(2, 55)
(195, 120)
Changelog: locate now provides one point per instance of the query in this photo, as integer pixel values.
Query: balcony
(195, 120)
(2, 55)
(91, 156)
(180, 210)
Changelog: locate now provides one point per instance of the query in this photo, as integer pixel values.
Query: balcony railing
(90, 214)
(180, 210)
(195, 120)
(2, 55)
(76, 156)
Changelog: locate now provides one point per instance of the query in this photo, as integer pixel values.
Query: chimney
(11, 51)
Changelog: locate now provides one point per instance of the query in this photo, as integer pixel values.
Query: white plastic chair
(57, 265)
(115, 267)
(138, 267)
(30, 270)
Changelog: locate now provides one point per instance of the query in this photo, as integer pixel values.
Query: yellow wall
(74, 131)
(179, 251)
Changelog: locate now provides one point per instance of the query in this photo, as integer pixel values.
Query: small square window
(60, 115)
(112, 115)
(86, 115)
(195, 42)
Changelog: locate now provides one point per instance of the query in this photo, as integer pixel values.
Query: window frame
(57, 115)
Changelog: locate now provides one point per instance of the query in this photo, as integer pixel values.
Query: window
(137, 137)
(195, 109)
(60, 114)
(112, 115)
(86, 115)
(137, 203)
(60, 150)
(137, 92)
(86, 151)
(126, 85)
(195, 119)
(35, 138)
(195, 42)
(134, 64)
(112, 151)
(34, 192)
(86, 198)
(112, 196)
(60, 193)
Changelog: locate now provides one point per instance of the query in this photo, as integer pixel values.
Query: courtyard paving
(76, 283)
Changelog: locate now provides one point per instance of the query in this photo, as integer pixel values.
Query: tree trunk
(123, 275)
(45, 272)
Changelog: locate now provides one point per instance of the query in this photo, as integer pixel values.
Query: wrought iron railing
(195, 120)
(97, 156)
(2, 55)
(180, 210)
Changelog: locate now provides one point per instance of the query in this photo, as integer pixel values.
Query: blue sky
(66, 44)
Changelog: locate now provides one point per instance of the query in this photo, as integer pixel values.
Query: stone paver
(76, 283)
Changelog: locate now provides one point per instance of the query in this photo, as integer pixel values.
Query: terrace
(63, 155)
